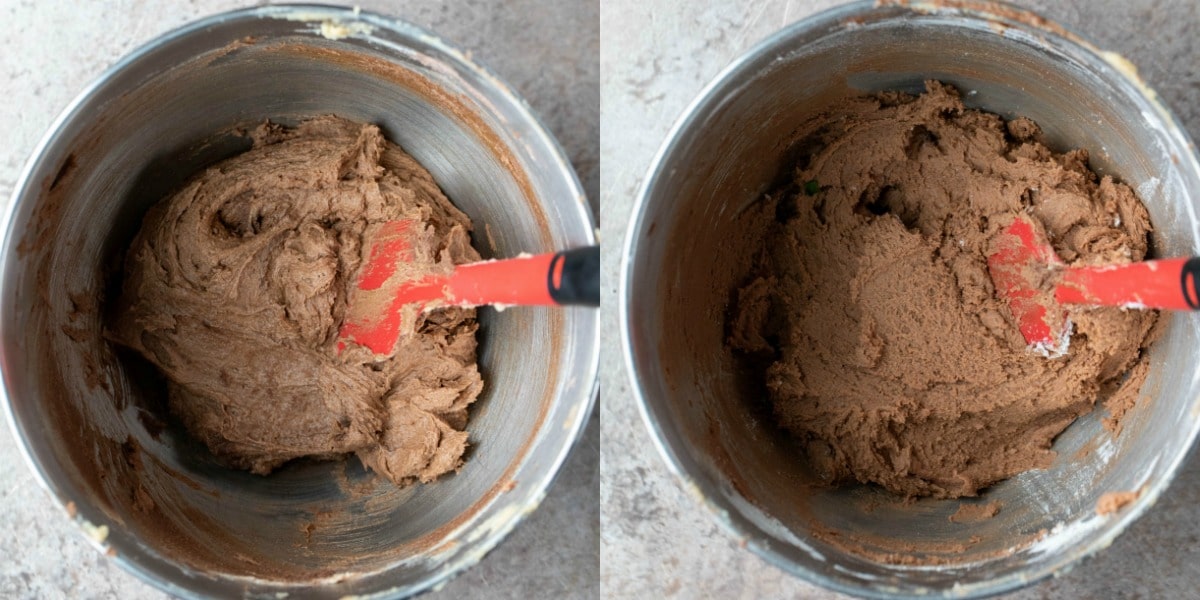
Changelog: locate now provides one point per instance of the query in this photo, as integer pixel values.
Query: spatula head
(1022, 265)
(374, 316)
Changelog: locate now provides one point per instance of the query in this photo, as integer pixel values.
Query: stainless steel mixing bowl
(91, 418)
(679, 271)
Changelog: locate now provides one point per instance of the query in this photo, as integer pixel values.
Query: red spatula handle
(1171, 283)
(567, 277)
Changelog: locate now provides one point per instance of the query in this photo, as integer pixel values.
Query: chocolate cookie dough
(890, 355)
(236, 286)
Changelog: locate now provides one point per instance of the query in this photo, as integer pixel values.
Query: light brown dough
(236, 286)
(1112, 502)
(890, 355)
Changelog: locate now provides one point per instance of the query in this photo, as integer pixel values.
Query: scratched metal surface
(549, 53)
(656, 539)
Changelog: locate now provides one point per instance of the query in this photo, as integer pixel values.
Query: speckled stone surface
(657, 542)
(548, 51)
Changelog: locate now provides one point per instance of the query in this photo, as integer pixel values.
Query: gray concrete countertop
(548, 51)
(657, 542)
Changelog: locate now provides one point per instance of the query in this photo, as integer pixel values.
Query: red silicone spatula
(570, 277)
(1036, 283)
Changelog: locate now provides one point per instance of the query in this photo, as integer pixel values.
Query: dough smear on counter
(891, 357)
(235, 288)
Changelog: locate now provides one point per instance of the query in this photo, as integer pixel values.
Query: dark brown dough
(235, 287)
(891, 356)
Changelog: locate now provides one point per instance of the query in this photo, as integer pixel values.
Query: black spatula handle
(574, 276)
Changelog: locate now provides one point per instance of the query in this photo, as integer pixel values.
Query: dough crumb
(971, 513)
(1111, 502)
